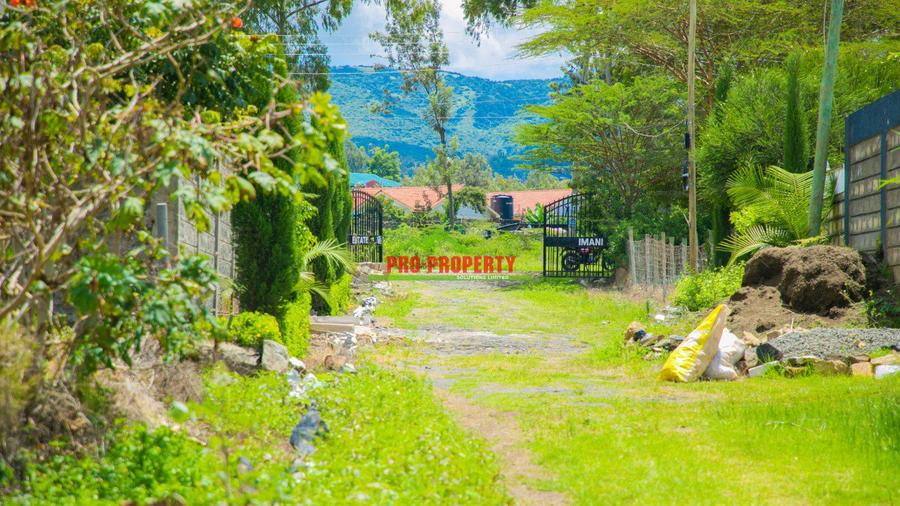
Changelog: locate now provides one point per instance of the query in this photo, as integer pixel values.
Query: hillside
(486, 113)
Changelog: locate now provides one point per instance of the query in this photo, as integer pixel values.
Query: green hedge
(251, 328)
(340, 294)
(295, 325)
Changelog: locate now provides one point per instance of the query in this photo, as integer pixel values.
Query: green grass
(608, 432)
(525, 245)
(390, 443)
(539, 306)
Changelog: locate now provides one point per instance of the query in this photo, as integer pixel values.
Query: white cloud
(493, 58)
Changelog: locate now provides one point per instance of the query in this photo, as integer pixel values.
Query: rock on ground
(240, 360)
(809, 280)
(274, 357)
(824, 342)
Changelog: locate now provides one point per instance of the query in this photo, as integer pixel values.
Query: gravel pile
(824, 342)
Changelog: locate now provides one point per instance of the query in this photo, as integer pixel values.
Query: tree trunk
(451, 210)
(826, 95)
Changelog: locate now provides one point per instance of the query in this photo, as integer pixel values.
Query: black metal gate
(365, 228)
(575, 245)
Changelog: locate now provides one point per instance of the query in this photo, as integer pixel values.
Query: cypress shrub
(795, 149)
(294, 324)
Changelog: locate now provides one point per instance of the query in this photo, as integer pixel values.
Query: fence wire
(659, 261)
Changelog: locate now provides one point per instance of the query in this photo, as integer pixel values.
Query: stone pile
(659, 346)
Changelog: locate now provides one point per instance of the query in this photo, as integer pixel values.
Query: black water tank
(503, 205)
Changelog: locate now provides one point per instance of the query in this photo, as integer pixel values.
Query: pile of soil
(819, 286)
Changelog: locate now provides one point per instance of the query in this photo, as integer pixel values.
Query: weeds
(390, 442)
(703, 290)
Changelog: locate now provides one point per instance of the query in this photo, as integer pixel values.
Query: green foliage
(294, 324)
(141, 465)
(639, 37)
(796, 154)
(340, 295)
(772, 209)
(385, 163)
(883, 309)
(605, 131)
(265, 246)
(705, 289)
(123, 306)
(268, 253)
(535, 216)
(367, 413)
(472, 197)
(250, 329)
(749, 128)
(357, 158)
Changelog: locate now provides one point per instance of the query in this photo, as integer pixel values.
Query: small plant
(705, 289)
(883, 309)
(252, 328)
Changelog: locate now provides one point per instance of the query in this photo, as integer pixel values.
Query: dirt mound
(820, 286)
(809, 280)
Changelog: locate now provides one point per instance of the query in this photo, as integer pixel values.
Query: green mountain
(486, 112)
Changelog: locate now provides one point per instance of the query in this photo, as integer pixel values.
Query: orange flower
(237, 23)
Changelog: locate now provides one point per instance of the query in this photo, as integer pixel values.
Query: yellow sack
(688, 361)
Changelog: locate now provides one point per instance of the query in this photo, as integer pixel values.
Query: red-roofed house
(524, 200)
(412, 197)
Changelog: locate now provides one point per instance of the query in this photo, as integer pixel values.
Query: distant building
(411, 198)
(527, 199)
(362, 179)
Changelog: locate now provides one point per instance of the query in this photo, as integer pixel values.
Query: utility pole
(693, 253)
(826, 97)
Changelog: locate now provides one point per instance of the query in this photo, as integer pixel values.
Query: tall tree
(414, 44)
(357, 158)
(385, 163)
(795, 151)
(622, 141)
(641, 36)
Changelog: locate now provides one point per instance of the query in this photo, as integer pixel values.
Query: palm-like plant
(335, 254)
(775, 206)
(535, 215)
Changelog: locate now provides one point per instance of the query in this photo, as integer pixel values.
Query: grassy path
(538, 370)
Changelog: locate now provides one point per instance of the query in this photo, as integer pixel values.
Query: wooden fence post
(647, 274)
(631, 262)
(671, 251)
(664, 272)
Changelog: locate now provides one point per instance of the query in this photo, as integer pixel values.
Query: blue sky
(494, 58)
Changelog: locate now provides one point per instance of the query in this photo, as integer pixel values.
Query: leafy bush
(295, 324)
(703, 290)
(340, 295)
(251, 329)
